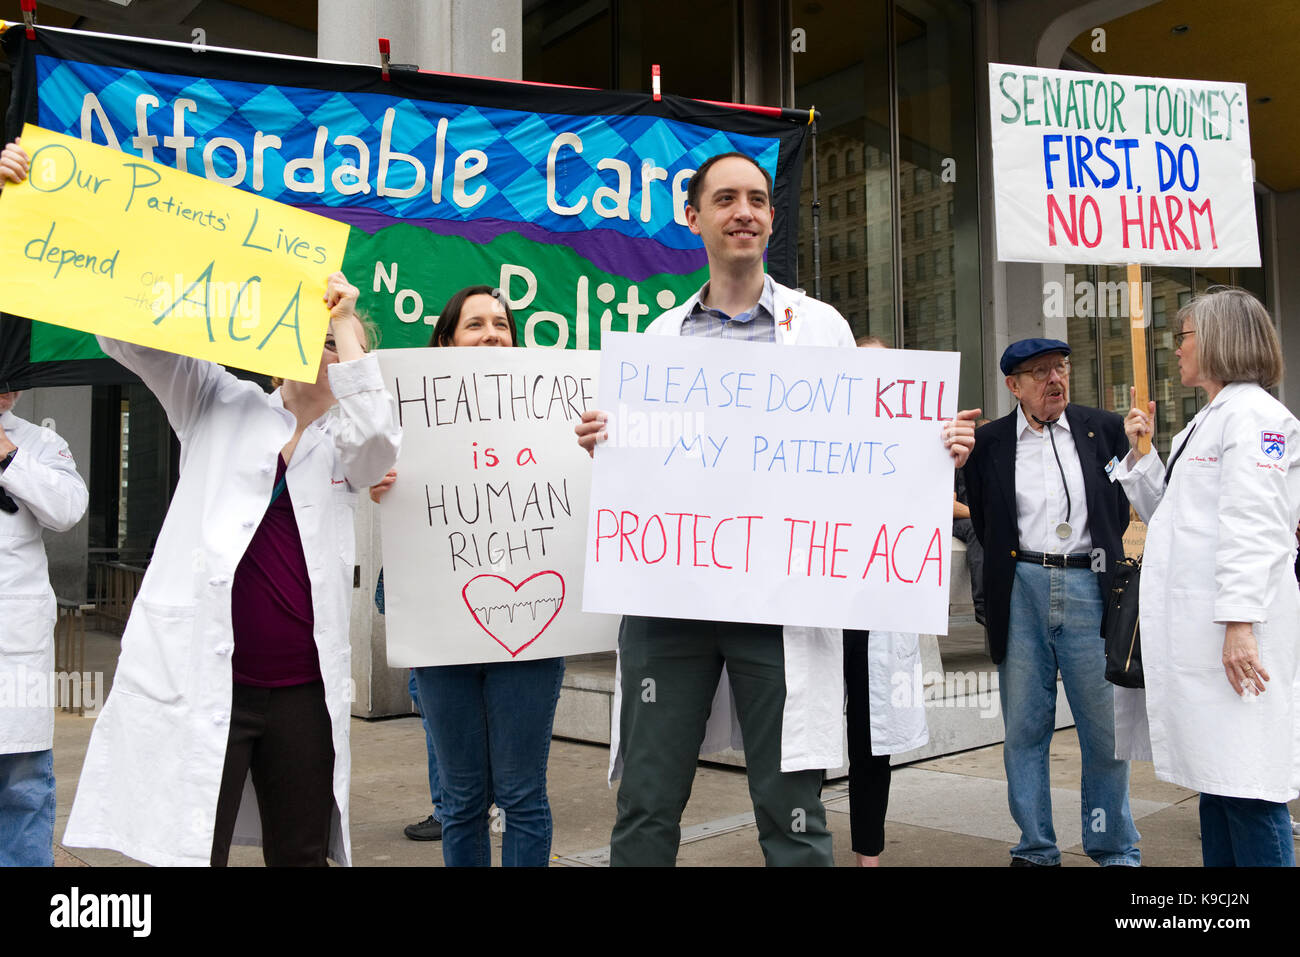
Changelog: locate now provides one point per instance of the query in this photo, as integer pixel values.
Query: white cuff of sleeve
(359, 375)
(1141, 467)
(1224, 612)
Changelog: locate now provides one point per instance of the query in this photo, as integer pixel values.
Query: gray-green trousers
(670, 671)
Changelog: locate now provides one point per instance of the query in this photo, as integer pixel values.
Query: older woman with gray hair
(1220, 608)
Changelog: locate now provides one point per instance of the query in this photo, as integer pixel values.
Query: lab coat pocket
(343, 503)
(1197, 639)
(156, 653)
(26, 624)
(1277, 654)
(1198, 494)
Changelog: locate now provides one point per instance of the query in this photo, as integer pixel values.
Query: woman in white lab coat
(228, 718)
(230, 705)
(883, 714)
(1220, 609)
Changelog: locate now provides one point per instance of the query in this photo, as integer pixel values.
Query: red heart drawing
(509, 617)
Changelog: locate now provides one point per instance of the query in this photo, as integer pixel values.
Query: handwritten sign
(786, 485)
(1121, 169)
(104, 242)
(1135, 536)
(484, 530)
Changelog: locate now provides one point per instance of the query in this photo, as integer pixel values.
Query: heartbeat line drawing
(514, 616)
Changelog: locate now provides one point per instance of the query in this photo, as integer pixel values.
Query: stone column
(476, 37)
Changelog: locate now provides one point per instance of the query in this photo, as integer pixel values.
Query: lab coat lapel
(310, 443)
(787, 316)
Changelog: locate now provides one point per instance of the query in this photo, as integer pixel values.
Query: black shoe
(430, 829)
(1022, 862)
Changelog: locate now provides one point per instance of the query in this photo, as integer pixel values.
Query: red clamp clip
(29, 17)
(383, 58)
(654, 81)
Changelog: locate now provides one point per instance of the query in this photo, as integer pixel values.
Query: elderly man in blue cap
(1050, 520)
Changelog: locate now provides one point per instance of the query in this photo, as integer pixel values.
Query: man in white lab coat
(786, 681)
(39, 488)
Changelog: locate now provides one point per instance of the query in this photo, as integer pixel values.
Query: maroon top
(271, 603)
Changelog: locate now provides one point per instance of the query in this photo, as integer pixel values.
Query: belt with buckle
(1050, 560)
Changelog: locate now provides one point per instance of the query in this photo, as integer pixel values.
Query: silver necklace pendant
(1063, 530)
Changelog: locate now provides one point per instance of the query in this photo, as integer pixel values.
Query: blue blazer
(991, 486)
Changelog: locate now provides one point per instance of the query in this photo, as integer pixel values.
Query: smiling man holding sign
(786, 681)
(235, 661)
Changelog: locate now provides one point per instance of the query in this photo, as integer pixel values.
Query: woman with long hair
(491, 723)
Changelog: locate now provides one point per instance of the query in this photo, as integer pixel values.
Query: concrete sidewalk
(948, 811)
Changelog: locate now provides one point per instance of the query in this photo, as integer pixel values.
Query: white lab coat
(43, 480)
(152, 773)
(896, 699)
(1220, 547)
(812, 721)
(895, 685)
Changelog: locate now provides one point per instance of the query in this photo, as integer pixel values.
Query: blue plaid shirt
(757, 325)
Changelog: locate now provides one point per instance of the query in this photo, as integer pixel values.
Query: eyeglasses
(1180, 336)
(1040, 373)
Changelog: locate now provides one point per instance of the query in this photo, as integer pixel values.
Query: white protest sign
(484, 528)
(774, 484)
(1093, 168)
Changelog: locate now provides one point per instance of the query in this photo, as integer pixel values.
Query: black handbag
(1119, 626)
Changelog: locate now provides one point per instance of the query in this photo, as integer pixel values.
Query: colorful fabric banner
(571, 201)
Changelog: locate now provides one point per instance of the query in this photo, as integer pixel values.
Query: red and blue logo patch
(1273, 444)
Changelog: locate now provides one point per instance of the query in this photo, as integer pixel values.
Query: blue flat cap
(1018, 353)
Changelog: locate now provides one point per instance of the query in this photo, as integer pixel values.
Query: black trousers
(963, 529)
(282, 735)
(868, 773)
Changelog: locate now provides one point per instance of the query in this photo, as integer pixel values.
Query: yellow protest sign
(105, 242)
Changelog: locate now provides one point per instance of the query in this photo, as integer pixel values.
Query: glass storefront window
(845, 75)
(923, 197)
(1061, 299)
(1170, 290)
(937, 137)
(612, 44)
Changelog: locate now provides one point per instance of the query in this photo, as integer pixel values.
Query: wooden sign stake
(1138, 331)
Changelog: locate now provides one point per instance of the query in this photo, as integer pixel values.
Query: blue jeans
(1244, 832)
(435, 788)
(27, 809)
(491, 726)
(1055, 623)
